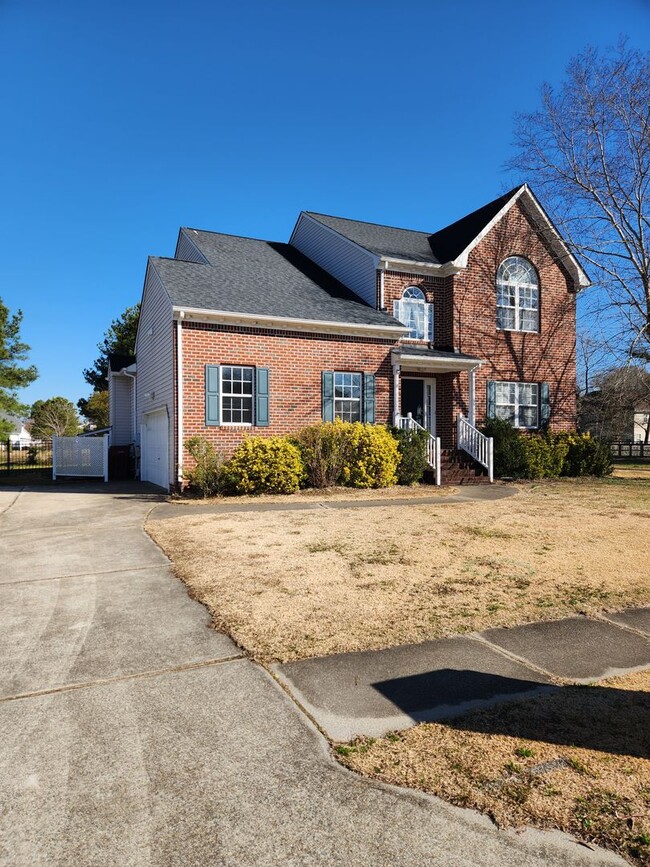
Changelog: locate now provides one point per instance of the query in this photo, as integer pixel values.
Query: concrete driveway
(133, 734)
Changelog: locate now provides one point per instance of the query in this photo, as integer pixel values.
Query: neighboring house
(19, 437)
(642, 423)
(356, 321)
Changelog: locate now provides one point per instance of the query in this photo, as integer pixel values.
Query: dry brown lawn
(576, 760)
(632, 471)
(292, 584)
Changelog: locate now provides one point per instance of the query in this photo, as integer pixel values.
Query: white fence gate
(80, 456)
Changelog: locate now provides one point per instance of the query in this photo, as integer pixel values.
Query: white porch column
(471, 408)
(396, 408)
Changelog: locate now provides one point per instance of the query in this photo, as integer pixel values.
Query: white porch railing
(407, 422)
(476, 444)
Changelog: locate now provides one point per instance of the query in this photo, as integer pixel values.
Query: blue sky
(122, 121)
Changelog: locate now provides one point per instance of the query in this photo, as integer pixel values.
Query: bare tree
(54, 417)
(609, 408)
(592, 357)
(587, 152)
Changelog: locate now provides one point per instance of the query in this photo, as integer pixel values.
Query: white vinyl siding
(187, 251)
(355, 267)
(155, 357)
(120, 405)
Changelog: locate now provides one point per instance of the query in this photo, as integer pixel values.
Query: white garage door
(155, 457)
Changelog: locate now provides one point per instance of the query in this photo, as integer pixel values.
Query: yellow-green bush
(264, 465)
(545, 455)
(586, 455)
(373, 457)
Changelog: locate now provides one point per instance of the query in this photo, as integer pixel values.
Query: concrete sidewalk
(374, 692)
(131, 733)
(292, 503)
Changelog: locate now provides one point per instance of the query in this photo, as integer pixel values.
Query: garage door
(154, 454)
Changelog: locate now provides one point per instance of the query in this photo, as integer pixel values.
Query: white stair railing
(407, 422)
(476, 444)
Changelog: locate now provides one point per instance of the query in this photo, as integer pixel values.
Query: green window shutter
(369, 398)
(262, 397)
(328, 395)
(544, 404)
(491, 400)
(212, 395)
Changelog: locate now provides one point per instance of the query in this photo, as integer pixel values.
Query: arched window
(413, 311)
(517, 295)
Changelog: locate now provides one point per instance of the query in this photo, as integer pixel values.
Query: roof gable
(449, 248)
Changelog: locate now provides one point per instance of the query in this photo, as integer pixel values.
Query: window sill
(518, 330)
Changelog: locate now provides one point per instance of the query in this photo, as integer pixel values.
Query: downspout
(179, 393)
(381, 289)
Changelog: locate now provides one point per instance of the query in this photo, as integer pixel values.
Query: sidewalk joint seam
(175, 669)
(514, 657)
(85, 575)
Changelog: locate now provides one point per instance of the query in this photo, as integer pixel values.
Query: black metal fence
(631, 451)
(29, 459)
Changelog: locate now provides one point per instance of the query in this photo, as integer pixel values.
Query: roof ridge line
(369, 223)
(231, 235)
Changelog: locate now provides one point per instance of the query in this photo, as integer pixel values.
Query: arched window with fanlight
(517, 295)
(413, 311)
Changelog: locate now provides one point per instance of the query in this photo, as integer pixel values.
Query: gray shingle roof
(245, 275)
(382, 240)
(437, 248)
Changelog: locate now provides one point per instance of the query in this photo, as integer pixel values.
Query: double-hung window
(347, 396)
(413, 311)
(517, 403)
(517, 295)
(236, 395)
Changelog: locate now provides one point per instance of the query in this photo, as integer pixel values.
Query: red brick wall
(437, 290)
(295, 361)
(547, 356)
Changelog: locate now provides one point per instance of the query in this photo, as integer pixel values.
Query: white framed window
(237, 395)
(413, 311)
(347, 396)
(517, 295)
(517, 403)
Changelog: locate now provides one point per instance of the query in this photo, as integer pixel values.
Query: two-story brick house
(356, 321)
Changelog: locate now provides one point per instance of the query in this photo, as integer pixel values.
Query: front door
(419, 399)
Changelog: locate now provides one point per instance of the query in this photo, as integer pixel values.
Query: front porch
(428, 394)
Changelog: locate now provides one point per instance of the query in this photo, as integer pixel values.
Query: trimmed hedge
(264, 465)
(521, 455)
(373, 457)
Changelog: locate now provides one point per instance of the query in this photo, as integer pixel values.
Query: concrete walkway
(374, 692)
(466, 494)
(133, 734)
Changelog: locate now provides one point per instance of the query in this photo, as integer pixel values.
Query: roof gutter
(281, 323)
(440, 364)
(390, 263)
